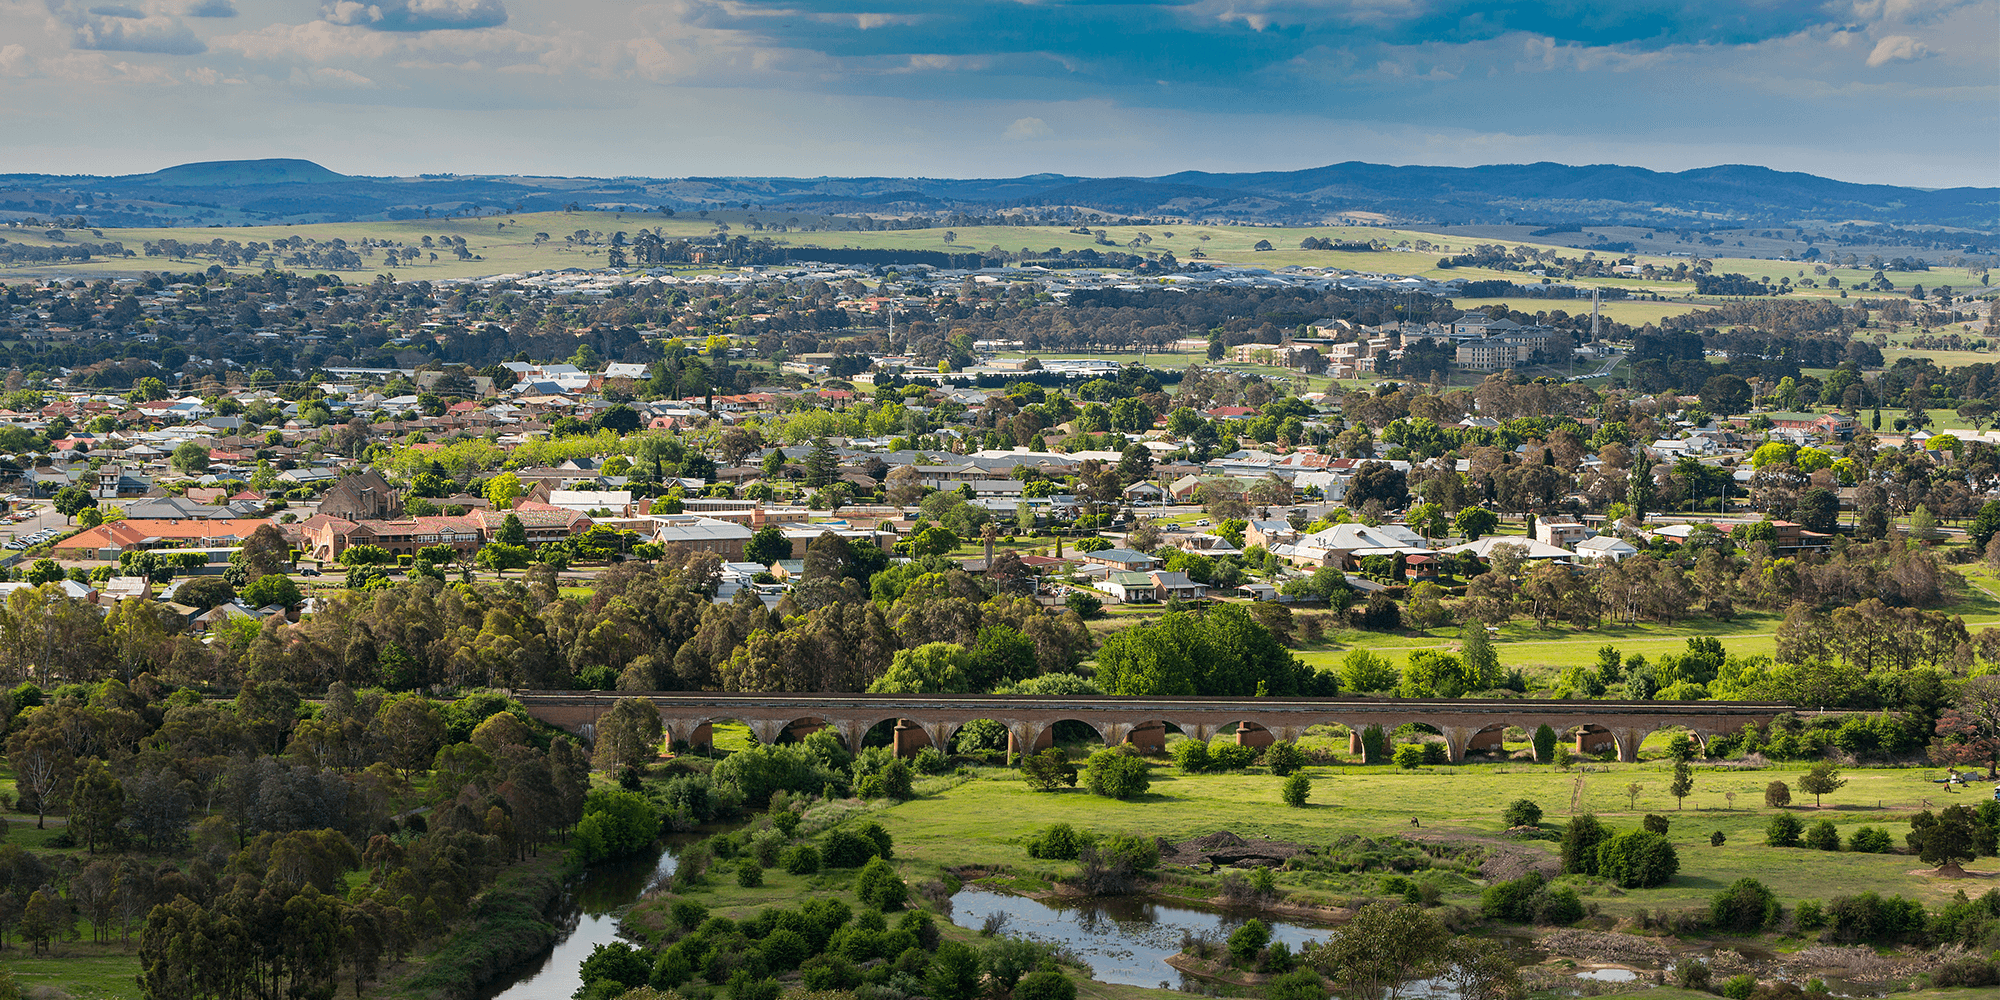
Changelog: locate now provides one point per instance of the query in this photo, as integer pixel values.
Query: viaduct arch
(1465, 723)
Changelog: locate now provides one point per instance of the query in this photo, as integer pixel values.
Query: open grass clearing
(986, 821)
(77, 971)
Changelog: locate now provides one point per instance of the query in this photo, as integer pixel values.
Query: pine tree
(822, 464)
(1683, 782)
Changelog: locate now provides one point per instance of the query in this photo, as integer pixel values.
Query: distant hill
(239, 173)
(1543, 194)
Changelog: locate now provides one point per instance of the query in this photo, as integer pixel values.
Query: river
(587, 917)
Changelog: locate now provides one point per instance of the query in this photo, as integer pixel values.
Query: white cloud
(417, 15)
(13, 60)
(321, 42)
(119, 28)
(1898, 48)
(329, 76)
(1028, 128)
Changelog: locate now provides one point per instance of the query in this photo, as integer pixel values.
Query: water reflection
(587, 917)
(1125, 939)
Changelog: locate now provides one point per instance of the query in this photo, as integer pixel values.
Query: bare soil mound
(1226, 850)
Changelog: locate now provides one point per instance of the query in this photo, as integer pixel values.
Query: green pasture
(76, 970)
(507, 243)
(985, 822)
(1631, 312)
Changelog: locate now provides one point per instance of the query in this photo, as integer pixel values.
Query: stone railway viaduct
(932, 720)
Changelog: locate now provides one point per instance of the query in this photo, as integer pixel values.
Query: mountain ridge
(298, 190)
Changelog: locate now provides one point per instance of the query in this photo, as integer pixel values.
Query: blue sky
(1888, 91)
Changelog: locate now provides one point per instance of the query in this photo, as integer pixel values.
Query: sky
(1880, 91)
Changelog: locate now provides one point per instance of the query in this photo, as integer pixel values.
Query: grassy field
(507, 243)
(1631, 313)
(984, 822)
(76, 971)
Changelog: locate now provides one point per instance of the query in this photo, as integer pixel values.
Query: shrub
(954, 973)
(1580, 842)
(1777, 795)
(1296, 789)
(802, 860)
(1544, 743)
(1115, 774)
(1869, 840)
(931, 760)
(1869, 917)
(1512, 900)
(1114, 865)
(844, 848)
(1140, 852)
(1374, 745)
(1046, 770)
(1739, 987)
(1231, 756)
(687, 914)
(1746, 907)
(616, 962)
(1717, 839)
(1968, 971)
(1692, 974)
(878, 886)
(1655, 823)
(1559, 907)
(1810, 915)
(1823, 837)
(1284, 758)
(1045, 984)
(749, 874)
(1247, 941)
(1639, 859)
(1298, 984)
(1522, 812)
(1409, 756)
(1191, 756)
(1783, 831)
(1057, 842)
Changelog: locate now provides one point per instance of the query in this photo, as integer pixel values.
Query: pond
(1126, 939)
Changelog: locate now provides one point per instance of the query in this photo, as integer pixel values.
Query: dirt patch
(1605, 947)
(1227, 850)
(1504, 860)
(1950, 871)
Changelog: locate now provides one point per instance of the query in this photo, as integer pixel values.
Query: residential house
(1132, 588)
(1126, 560)
(1177, 587)
(1603, 548)
(1344, 545)
(1561, 532)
